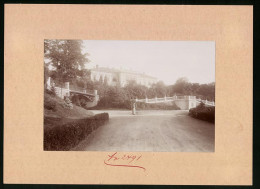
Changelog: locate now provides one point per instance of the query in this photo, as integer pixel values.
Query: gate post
(67, 87)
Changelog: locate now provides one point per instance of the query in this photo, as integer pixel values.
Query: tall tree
(66, 58)
(180, 86)
(160, 89)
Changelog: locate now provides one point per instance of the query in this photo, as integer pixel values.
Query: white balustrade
(173, 98)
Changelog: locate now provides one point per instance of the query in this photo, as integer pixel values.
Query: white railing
(206, 102)
(169, 99)
(61, 92)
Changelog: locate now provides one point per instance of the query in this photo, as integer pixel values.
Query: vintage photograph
(114, 95)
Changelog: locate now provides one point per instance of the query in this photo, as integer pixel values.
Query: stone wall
(186, 104)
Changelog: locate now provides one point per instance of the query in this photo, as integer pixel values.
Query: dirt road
(158, 131)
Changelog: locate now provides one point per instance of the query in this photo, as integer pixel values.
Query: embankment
(62, 137)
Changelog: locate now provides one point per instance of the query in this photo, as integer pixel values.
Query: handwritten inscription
(125, 160)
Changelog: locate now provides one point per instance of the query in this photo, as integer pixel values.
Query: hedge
(203, 112)
(50, 103)
(63, 137)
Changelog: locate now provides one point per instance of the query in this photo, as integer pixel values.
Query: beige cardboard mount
(26, 27)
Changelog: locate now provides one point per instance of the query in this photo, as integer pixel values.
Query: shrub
(204, 113)
(67, 103)
(75, 100)
(64, 137)
(83, 102)
(51, 92)
(49, 103)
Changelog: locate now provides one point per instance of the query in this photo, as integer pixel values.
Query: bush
(49, 103)
(67, 103)
(64, 137)
(83, 102)
(75, 100)
(51, 92)
(204, 113)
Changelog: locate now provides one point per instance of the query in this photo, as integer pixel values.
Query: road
(157, 131)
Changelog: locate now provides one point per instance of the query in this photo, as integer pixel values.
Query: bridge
(183, 102)
(90, 97)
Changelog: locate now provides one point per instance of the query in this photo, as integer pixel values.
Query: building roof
(114, 70)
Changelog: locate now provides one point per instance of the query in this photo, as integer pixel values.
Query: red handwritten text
(124, 160)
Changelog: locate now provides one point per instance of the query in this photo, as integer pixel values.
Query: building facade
(119, 76)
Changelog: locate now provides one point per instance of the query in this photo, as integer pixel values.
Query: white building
(114, 76)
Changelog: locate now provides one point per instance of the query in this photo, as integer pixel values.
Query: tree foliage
(119, 97)
(66, 58)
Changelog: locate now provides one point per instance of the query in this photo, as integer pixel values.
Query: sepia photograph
(126, 94)
(102, 95)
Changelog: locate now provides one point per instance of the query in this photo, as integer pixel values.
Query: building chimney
(97, 66)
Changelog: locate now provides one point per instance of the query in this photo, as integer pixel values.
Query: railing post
(165, 98)
(49, 83)
(67, 86)
(156, 99)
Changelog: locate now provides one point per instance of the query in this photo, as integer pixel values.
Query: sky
(165, 60)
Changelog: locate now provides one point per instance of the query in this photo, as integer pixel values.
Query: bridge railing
(76, 88)
(71, 88)
(82, 90)
(160, 99)
(211, 103)
(61, 92)
(183, 97)
(168, 98)
(163, 99)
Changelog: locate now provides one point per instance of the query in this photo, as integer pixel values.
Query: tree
(180, 85)
(160, 89)
(66, 58)
(83, 78)
(101, 80)
(194, 88)
(105, 80)
(135, 90)
(207, 91)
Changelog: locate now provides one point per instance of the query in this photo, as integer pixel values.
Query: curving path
(158, 131)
